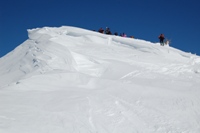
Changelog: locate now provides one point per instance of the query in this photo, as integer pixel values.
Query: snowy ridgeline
(72, 80)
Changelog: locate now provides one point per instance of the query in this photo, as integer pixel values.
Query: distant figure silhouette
(123, 35)
(161, 37)
(108, 31)
(101, 30)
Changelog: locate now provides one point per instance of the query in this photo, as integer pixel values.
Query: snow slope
(72, 80)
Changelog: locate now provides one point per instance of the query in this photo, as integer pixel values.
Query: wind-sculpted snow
(72, 80)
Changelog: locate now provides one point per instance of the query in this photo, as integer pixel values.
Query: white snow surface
(72, 80)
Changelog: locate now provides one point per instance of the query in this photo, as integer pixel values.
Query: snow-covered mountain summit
(69, 79)
(78, 50)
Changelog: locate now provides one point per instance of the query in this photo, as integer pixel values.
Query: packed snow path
(72, 80)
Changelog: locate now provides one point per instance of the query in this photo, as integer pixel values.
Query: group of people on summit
(108, 32)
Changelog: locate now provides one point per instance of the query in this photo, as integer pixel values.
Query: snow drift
(72, 80)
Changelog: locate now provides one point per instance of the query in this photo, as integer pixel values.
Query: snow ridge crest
(79, 50)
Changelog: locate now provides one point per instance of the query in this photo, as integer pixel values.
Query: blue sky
(179, 20)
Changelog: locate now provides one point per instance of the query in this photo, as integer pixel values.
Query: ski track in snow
(72, 80)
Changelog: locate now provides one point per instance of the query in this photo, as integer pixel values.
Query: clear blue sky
(179, 20)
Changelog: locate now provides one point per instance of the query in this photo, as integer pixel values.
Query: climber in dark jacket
(161, 37)
(101, 30)
(108, 31)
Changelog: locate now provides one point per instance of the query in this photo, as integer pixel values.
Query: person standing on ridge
(108, 31)
(161, 37)
(123, 35)
(101, 30)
